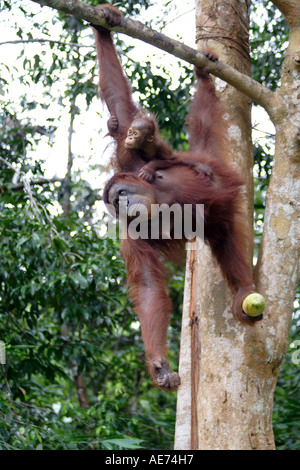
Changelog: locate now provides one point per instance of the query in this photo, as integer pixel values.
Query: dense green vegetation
(74, 375)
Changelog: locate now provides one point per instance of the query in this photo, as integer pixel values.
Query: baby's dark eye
(159, 175)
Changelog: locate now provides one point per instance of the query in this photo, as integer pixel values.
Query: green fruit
(253, 305)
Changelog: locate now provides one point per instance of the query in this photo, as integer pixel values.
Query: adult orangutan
(151, 173)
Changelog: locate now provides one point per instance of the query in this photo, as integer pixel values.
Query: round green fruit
(253, 305)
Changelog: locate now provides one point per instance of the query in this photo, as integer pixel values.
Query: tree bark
(240, 364)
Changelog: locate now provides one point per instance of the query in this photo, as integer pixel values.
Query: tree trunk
(230, 407)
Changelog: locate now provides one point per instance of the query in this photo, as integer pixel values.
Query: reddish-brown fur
(116, 92)
(218, 189)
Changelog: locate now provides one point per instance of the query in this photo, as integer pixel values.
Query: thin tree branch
(39, 182)
(21, 184)
(67, 189)
(51, 41)
(263, 132)
(259, 93)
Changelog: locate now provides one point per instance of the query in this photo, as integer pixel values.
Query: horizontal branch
(51, 41)
(20, 186)
(40, 182)
(257, 92)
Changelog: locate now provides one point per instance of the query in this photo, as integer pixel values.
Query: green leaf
(128, 443)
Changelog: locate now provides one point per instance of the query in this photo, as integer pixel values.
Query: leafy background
(74, 376)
